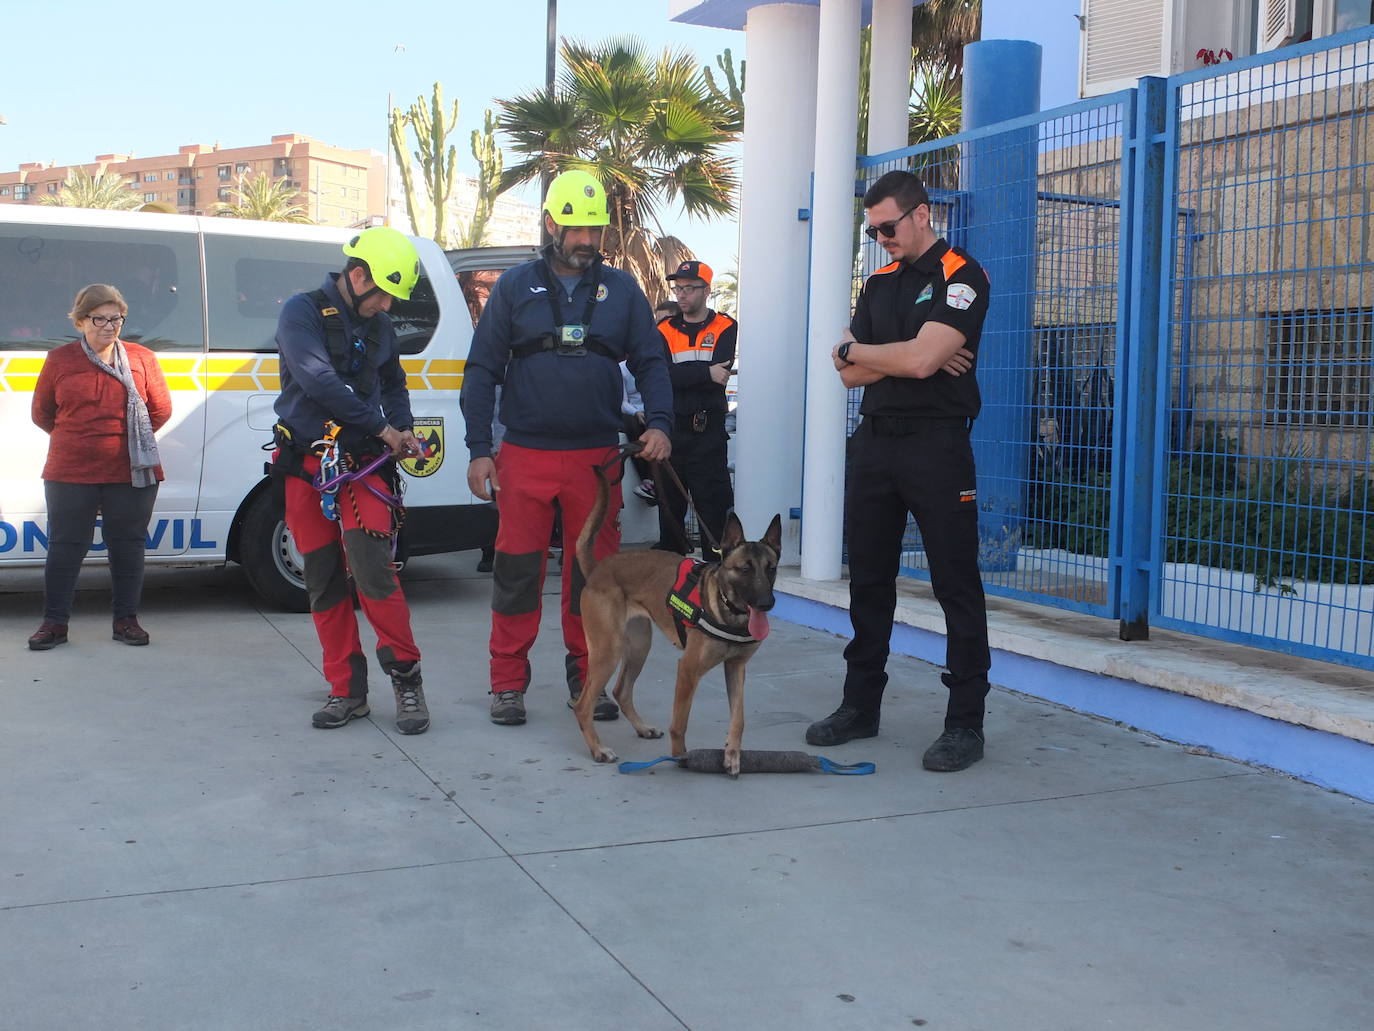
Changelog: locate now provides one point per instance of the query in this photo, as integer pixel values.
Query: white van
(204, 293)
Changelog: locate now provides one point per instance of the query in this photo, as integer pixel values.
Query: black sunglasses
(888, 229)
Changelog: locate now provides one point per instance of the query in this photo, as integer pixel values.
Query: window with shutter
(1278, 23)
(1121, 41)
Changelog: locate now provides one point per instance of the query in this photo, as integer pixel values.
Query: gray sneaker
(508, 708)
(605, 709)
(338, 711)
(412, 715)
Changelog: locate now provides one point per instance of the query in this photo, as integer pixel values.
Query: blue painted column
(1002, 82)
(1138, 462)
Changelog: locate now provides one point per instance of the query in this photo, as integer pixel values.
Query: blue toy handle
(629, 767)
(849, 769)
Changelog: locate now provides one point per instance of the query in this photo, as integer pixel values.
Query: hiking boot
(508, 708)
(647, 493)
(605, 709)
(954, 750)
(488, 559)
(844, 724)
(412, 715)
(338, 711)
(48, 635)
(128, 631)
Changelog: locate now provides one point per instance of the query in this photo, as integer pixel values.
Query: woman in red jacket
(100, 400)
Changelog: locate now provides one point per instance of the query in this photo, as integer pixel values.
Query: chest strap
(550, 342)
(684, 602)
(351, 365)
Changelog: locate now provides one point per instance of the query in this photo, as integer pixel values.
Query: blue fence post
(1151, 232)
(1000, 179)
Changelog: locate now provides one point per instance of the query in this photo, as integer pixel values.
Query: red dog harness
(684, 602)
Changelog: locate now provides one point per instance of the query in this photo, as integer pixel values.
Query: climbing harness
(339, 469)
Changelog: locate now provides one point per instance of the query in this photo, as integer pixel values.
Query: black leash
(623, 453)
(687, 500)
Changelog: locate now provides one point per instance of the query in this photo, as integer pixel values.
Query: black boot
(954, 750)
(844, 724)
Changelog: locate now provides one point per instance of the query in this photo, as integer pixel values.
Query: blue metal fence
(1038, 202)
(1178, 398)
(1264, 507)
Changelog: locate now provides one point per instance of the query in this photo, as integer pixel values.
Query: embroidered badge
(968, 495)
(602, 292)
(926, 294)
(960, 295)
(709, 340)
(429, 431)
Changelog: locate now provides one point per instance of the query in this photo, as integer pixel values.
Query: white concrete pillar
(889, 76)
(780, 131)
(832, 261)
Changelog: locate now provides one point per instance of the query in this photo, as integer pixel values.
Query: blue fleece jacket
(313, 393)
(558, 402)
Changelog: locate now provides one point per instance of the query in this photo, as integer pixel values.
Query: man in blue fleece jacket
(552, 336)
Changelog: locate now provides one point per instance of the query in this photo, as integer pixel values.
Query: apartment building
(336, 187)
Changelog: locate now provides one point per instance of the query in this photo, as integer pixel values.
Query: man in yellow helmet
(340, 363)
(552, 336)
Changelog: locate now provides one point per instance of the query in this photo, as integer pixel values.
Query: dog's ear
(773, 538)
(734, 533)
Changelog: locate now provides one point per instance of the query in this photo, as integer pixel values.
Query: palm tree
(100, 190)
(648, 126)
(266, 199)
(940, 29)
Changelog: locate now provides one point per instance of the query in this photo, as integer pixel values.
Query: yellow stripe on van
(20, 375)
(231, 373)
(180, 372)
(251, 374)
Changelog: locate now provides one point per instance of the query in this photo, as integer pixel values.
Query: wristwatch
(843, 352)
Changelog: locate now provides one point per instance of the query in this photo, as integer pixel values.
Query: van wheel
(269, 556)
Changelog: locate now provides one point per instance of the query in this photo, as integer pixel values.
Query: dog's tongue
(758, 624)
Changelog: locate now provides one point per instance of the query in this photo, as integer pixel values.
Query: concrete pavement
(180, 849)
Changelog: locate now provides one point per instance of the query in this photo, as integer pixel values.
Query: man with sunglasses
(912, 345)
(701, 349)
(340, 363)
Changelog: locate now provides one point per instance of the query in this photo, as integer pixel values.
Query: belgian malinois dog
(627, 593)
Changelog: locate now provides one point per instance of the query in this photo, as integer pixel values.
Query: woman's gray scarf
(143, 458)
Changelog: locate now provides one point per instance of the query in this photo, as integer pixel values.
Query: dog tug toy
(712, 760)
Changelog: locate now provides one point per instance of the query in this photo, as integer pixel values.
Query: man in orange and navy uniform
(701, 350)
(912, 346)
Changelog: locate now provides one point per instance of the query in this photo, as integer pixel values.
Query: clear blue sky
(101, 80)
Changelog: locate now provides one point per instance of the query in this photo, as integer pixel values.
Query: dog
(626, 594)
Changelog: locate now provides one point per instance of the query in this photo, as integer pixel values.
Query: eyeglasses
(101, 321)
(888, 229)
(678, 289)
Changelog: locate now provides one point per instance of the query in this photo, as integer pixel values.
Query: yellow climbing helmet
(576, 198)
(391, 259)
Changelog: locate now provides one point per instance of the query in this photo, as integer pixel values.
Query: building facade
(336, 187)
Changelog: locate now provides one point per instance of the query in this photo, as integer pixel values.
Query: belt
(906, 425)
(698, 422)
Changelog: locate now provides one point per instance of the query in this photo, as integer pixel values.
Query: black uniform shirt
(945, 284)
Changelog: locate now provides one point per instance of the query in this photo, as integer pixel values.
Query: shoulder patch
(891, 266)
(960, 296)
(952, 263)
